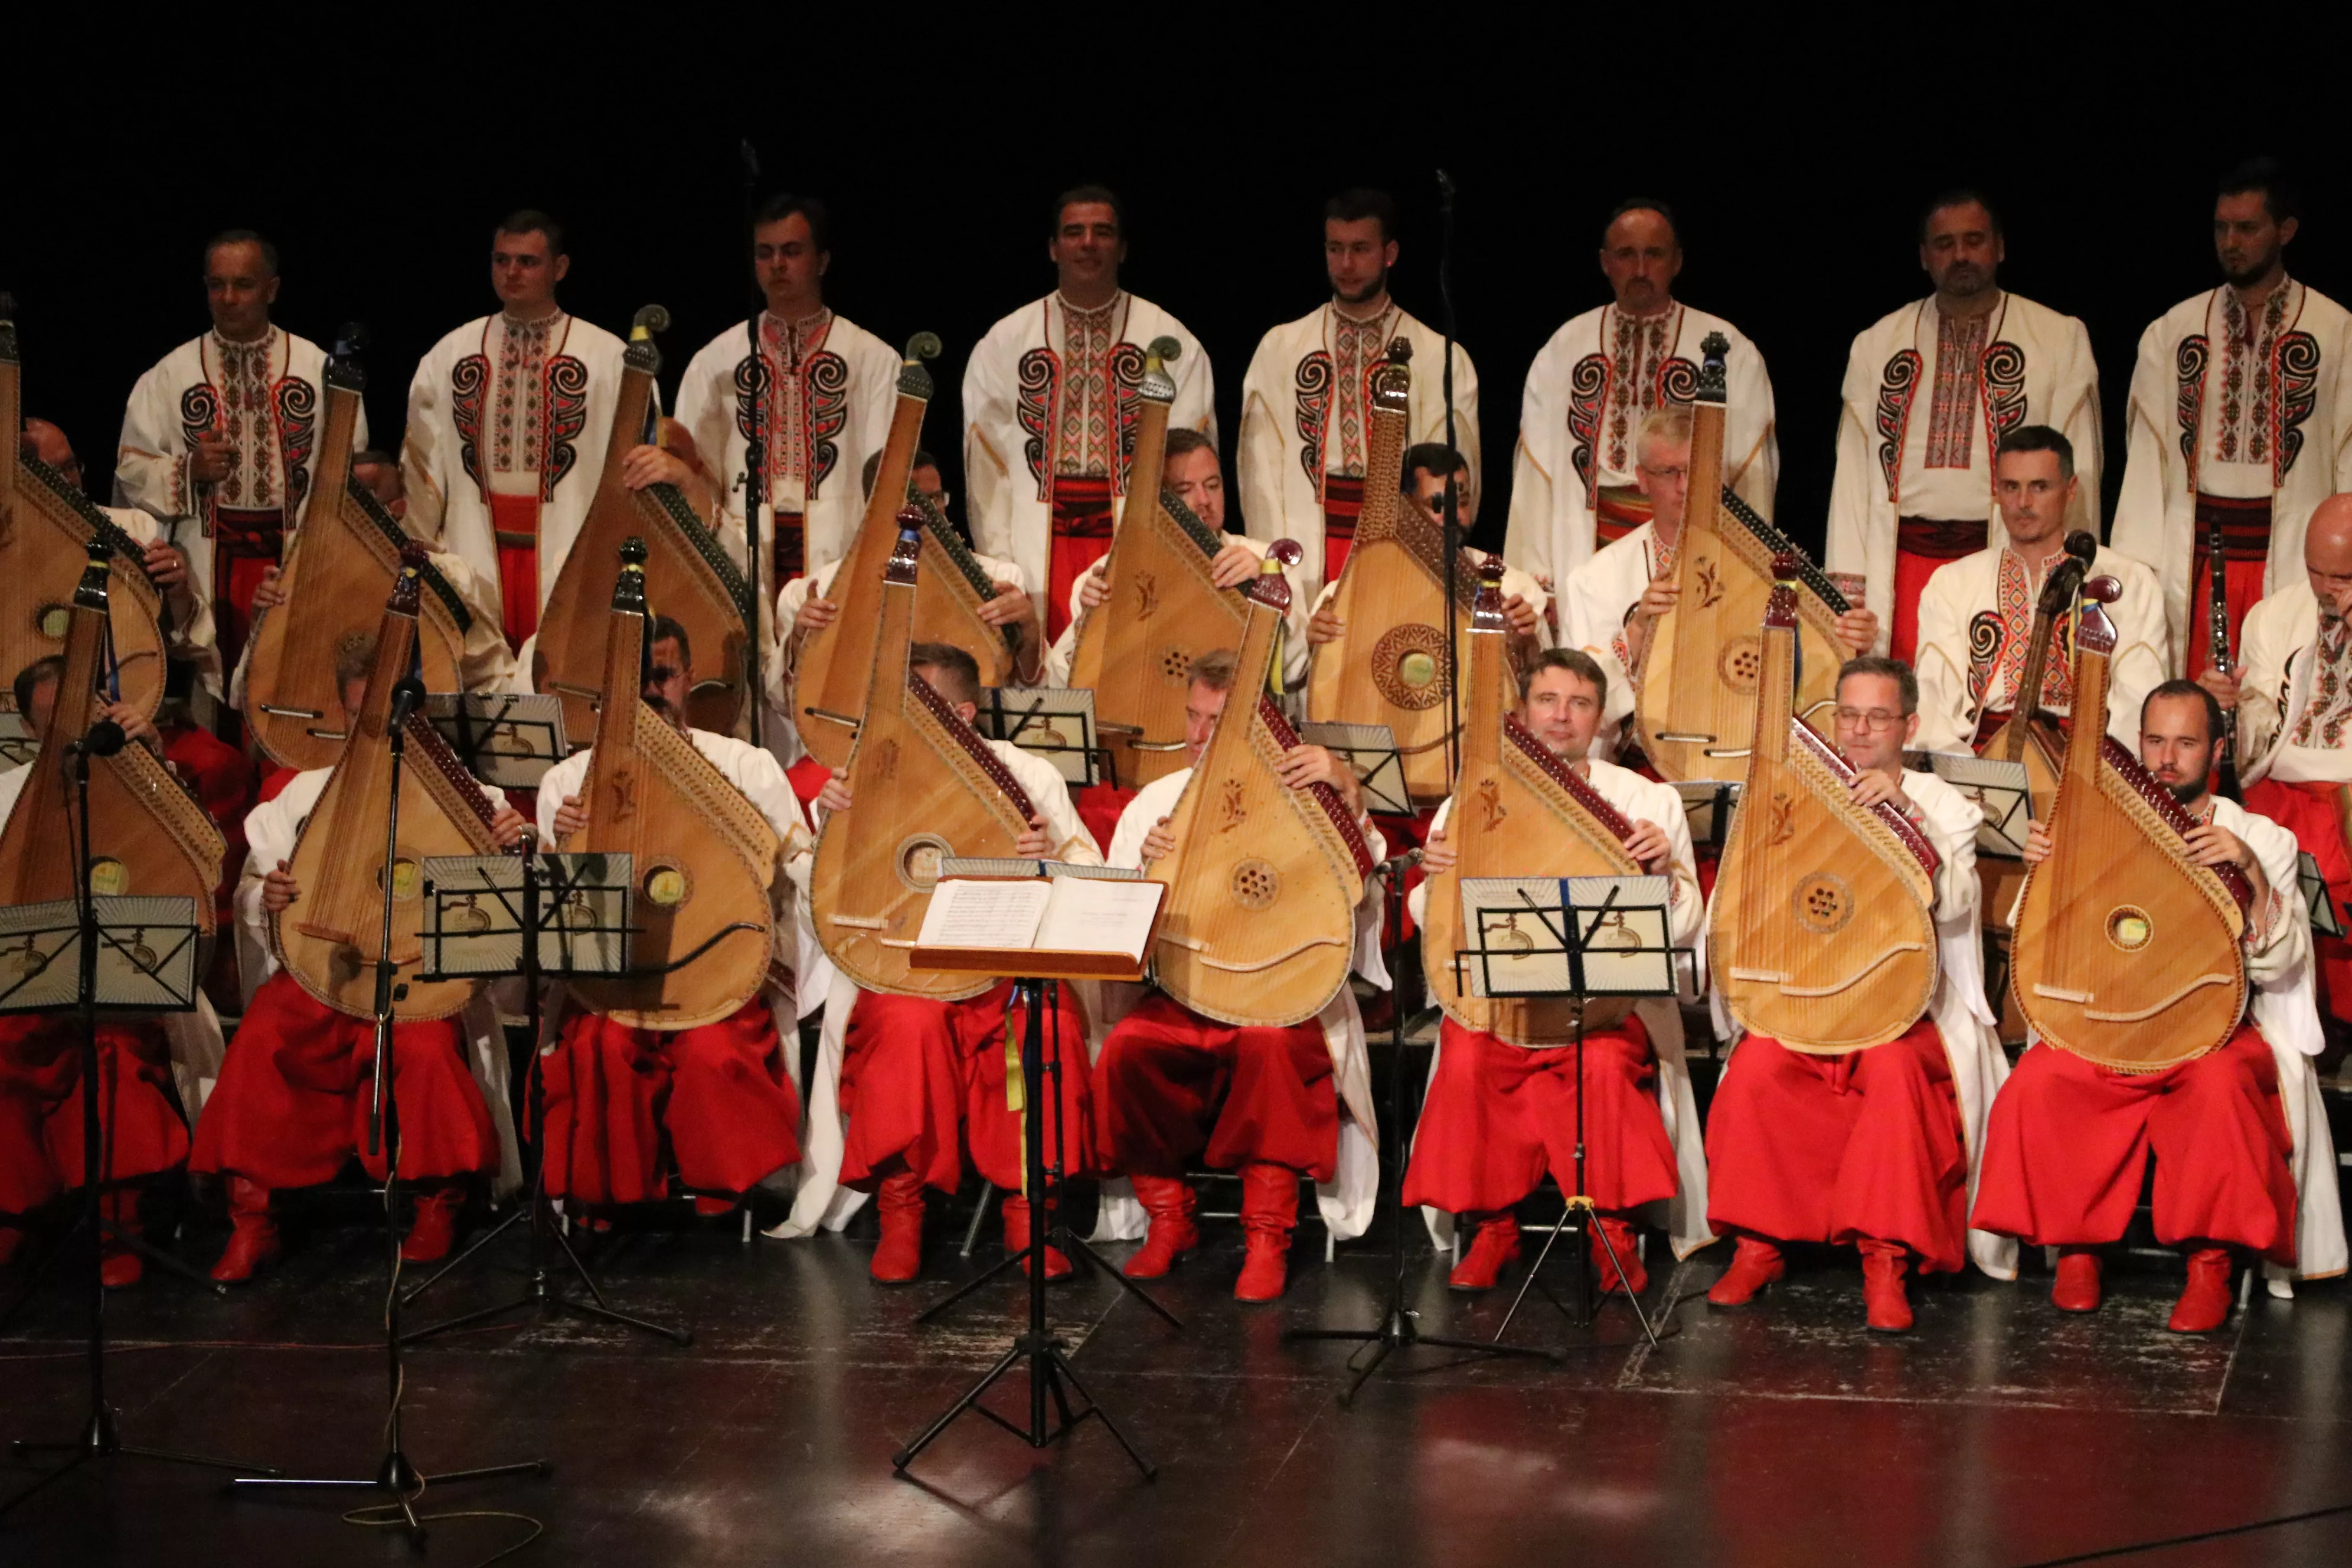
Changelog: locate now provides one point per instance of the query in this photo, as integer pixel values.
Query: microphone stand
(1453, 498)
(393, 1473)
(755, 472)
(99, 1439)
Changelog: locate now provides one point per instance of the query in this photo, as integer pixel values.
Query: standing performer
(818, 396)
(222, 433)
(1575, 479)
(1049, 400)
(1172, 1086)
(2237, 421)
(2293, 699)
(1306, 399)
(719, 1099)
(923, 1082)
(2240, 1135)
(507, 420)
(1976, 616)
(1499, 1115)
(293, 1104)
(1876, 1148)
(1914, 486)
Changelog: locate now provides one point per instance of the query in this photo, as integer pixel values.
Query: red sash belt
(1941, 539)
(791, 546)
(2245, 525)
(1343, 501)
(1082, 518)
(250, 535)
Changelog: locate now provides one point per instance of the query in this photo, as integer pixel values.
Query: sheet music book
(1372, 750)
(505, 737)
(1048, 914)
(2324, 918)
(1999, 788)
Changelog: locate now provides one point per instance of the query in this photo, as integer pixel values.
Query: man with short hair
(2243, 1159)
(508, 417)
(1307, 398)
(220, 439)
(1976, 615)
(2237, 419)
(1049, 404)
(1499, 1115)
(1608, 606)
(1875, 1148)
(1915, 482)
(1574, 485)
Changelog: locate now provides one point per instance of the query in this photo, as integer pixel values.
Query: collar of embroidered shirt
(1084, 313)
(1387, 305)
(2242, 314)
(514, 323)
(225, 347)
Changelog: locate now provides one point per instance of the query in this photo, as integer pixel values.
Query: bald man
(2292, 695)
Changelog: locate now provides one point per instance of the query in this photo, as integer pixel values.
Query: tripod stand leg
(1618, 1264)
(906, 1456)
(408, 1299)
(1061, 1364)
(160, 1258)
(969, 1286)
(1071, 1242)
(43, 1482)
(1534, 1270)
(591, 1309)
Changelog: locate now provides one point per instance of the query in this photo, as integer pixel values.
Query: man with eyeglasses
(1608, 605)
(1874, 1149)
(1976, 615)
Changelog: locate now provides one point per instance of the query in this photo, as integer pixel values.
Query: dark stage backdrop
(1798, 190)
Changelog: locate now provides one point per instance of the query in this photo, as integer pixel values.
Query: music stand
(112, 970)
(1049, 1363)
(487, 915)
(1609, 937)
(1372, 753)
(1057, 725)
(18, 744)
(1708, 804)
(2000, 791)
(2326, 921)
(505, 737)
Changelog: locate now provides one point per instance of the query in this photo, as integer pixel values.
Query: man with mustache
(2236, 418)
(1929, 392)
(2243, 1159)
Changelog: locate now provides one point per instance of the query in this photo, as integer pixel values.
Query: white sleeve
(2142, 660)
(992, 446)
(151, 460)
(2138, 528)
(1258, 457)
(422, 472)
(1941, 662)
(1755, 468)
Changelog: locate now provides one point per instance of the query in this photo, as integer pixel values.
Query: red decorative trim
(2129, 769)
(1559, 772)
(989, 762)
(424, 739)
(1901, 826)
(1333, 806)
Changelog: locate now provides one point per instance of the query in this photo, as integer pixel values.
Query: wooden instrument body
(340, 565)
(689, 577)
(1823, 932)
(330, 937)
(148, 835)
(924, 787)
(45, 528)
(703, 858)
(1519, 811)
(1259, 925)
(1135, 651)
(1694, 688)
(1388, 664)
(2125, 953)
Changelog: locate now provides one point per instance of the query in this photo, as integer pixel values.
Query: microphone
(105, 738)
(407, 697)
(1446, 184)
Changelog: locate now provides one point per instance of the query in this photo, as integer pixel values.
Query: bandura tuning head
(1158, 385)
(1780, 609)
(90, 593)
(1711, 349)
(8, 329)
(908, 550)
(2083, 546)
(1271, 589)
(629, 587)
(1392, 382)
(642, 355)
(914, 380)
(2093, 632)
(343, 367)
(406, 586)
(1487, 610)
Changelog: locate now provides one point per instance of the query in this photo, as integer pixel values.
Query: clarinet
(2217, 598)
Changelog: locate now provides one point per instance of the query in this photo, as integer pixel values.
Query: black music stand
(1580, 962)
(134, 977)
(1371, 754)
(1057, 725)
(485, 916)
(1707, 805)
(508, 739)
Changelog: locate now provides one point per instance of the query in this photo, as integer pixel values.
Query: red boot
(117, 1264)
(1494, 1248)
(253, 1240)
(1171, 1204)
(435, 1229)
(1269, 1214)
(899, 1256)
(1626, 1274)
(2204, 1306)
(1755, 1265)
(2077, 1286)
(1016, 1238)
(1883, 1300)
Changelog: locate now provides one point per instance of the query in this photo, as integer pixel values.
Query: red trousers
(2066, 1150)
(1499, 1115)
(1922, 545)
(717, 1096)
(1172, 1086)
(1842, 1149)
(514, 522)
(41, 1146)
(296, 1091)
(924, 1081)
(1343, 503)
(1082, 521)
(1100, 807)
(2245, 556)
(2316, 815)
(246, 545)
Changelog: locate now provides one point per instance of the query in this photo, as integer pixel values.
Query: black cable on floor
(2105, 1552)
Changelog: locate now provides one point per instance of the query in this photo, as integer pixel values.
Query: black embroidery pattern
(2189, 403)
(826, 378)
(2298, 379)
(1588, 394)
(1310, 386)
(2002, 376)
(297, 415)
(567, 415)
(1898, 384)
(1126, 367)
(468, 378)
(1039, 373)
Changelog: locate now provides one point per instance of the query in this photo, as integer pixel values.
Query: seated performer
(1499, 1115)
(922, 1081)
(1976, 616)
(294, 1098)
(718, 1097)
(1607, 604)
(2067, 1146)
(1876, 1147)
(41, 1082)
(1172, 1087)
(2291, 694)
